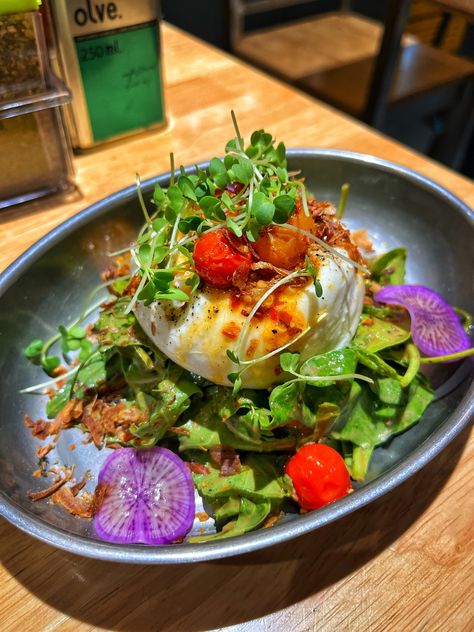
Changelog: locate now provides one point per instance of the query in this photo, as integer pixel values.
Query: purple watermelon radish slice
(149, 497)
(435, 327)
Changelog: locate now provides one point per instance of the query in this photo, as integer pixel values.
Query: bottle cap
(18, 6)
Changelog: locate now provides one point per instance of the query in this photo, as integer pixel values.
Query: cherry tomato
(282, 246)
(215, 259)
(319, 475)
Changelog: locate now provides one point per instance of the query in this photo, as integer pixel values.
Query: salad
(251, 354)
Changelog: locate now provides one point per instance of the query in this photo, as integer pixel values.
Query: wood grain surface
(402, 563)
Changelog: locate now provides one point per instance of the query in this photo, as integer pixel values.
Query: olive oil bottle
(110, 57)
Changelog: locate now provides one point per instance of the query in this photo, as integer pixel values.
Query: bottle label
(95, 16)
(121, 75)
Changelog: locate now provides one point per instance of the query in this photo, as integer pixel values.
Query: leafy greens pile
(180, 410)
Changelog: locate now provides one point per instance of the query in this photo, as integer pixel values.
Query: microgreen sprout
(413, 356)
(342, 200)
(236, 377)
(289, 363)
(313, 273)
(448, 358)
(39, 388)
(73, 338)
(245, 192)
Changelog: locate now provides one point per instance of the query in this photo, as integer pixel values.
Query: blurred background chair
(307, 46)
(367, 68)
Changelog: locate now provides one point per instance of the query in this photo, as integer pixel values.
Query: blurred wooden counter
(403, 563)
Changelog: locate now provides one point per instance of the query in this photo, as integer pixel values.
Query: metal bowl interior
(49, 284)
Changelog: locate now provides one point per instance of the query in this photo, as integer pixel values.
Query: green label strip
(121, 74)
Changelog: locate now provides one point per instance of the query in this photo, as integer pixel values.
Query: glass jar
(35, 156)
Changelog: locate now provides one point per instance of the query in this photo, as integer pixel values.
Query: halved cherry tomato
(215, 259)
(319, 475)
(282, 246)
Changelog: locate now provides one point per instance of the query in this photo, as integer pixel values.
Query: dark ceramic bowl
(49, 283)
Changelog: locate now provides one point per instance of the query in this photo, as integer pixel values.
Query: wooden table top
(402, 563)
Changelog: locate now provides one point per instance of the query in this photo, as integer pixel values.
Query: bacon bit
(43, 450)
(72, 447)
(241, 274)
(331, 230)
(29, 423)
(121, 268)
(269, 267)
(375, 287)
(251, 348)
(368, 301)
(75, 489)
(362, 240)
(59, 370)
(38, 473)
(101, 418)
(320, 208)
(197, 468)
(202, 516)
(51, 392)
(119, 416)
(70, 413)
(125, 436)
(278, 370)
(84, 506)
(241, 245)
(367, 322)
(132, 286)
(180, 431)
(271, 520)
(91, 419)
(80, 506)
(231, 330)
(109, 273)
(39, 428)
(227, 459)
(100, 493)
(52, 488)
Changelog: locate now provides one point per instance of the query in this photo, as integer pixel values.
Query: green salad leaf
(250, 516)
(222, 419)
(379, 335)
(389, 268)
(379, 412)
(259, 480)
